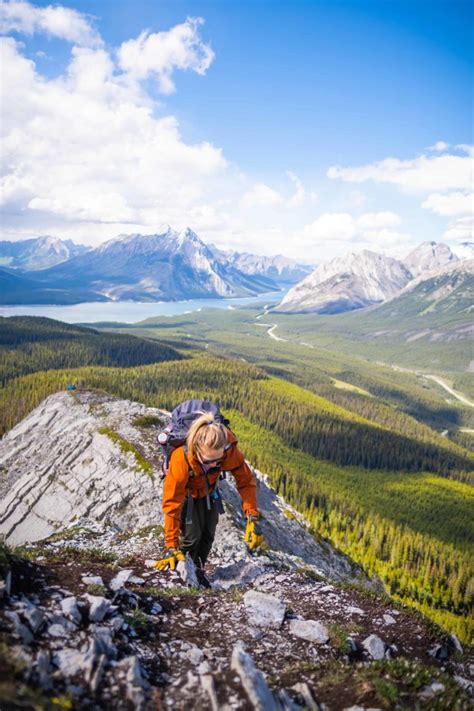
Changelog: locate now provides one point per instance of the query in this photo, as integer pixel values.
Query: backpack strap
(190, 502)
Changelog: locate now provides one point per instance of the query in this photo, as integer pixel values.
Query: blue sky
(309, 128)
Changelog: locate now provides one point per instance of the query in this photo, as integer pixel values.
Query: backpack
(175, 435)
(182, 417)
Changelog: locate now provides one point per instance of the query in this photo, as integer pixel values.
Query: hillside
(344, 498)
(28, 344)
(428, 324)
(38, 252)
(86, 624)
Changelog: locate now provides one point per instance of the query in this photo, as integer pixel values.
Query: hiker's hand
(253, 533)
(172, 557)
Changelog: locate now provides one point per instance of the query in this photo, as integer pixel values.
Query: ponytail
(205, 432)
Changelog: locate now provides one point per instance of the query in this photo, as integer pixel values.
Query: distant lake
(133, 311)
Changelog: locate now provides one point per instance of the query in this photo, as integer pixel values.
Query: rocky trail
(85, 623)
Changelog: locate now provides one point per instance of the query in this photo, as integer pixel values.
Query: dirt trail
(444, 384)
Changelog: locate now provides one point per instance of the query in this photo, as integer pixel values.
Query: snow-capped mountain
(282, 270)
(346, 283)
(165, 266)
(38, 253)
(427, 257)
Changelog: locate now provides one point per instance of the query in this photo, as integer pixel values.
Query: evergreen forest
(356, 448)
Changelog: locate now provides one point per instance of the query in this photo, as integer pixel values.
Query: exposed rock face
(280, 269)
(165, 266)
(347, 283)
(61, 468)
(267, 634)
(427, 257)
(38, 253)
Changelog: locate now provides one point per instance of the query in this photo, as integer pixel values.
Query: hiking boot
(202, 580)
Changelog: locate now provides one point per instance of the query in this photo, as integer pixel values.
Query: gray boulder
(70, 609)
(264, 610)
(374, 646)
(252, 680)
(99, 607)
(309, 629)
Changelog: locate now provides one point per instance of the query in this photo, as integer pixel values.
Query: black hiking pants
(198, 536)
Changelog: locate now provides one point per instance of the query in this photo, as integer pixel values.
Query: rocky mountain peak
(428, 256)
(348, 282)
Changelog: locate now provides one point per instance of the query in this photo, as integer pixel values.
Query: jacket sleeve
(174, 493)
(245, 481)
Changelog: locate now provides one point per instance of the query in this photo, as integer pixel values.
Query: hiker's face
(212, 458)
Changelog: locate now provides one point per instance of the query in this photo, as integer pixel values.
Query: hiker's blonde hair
(205, 432)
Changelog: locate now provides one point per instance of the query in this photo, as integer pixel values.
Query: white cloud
(343, 227)
(300, 196)
(439, 146)
(377, 220)
(449, 204)
(86, 148)
(261, 195)
(337, 226)
(53, 20)
(461, 230)
(425, 173)
(160, 53)
(333, 234)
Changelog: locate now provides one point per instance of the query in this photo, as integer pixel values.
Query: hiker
(191, 498)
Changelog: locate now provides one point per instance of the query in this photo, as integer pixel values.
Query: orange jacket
(178, 484)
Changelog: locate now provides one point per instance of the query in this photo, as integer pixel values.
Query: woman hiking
(191, 498)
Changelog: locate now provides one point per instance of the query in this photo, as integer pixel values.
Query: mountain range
(38, 253)
(173, 265)
(162, 267)
(367, 278)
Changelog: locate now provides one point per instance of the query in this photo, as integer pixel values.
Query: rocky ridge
(87, 623)
(357, 280)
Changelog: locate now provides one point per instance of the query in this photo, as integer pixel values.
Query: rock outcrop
(84, 457)
(87, 622)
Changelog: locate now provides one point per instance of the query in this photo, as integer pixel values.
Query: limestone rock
(33, 616)
(374, 646)
(99, 607)
(195, 655)
(264, 610)
(70, 609)
(19, 629)
(57, 630)
(187, 572)
(120, 579)
(92, 580)
(309, 629)
(252, 680)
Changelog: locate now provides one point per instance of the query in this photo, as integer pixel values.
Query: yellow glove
(253, 533)
(170, 560)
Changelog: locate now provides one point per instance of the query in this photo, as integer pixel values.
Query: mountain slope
(347, 283)
(94, 627)
(38, 253)
(18, 288)
(427, 257)
(165, 266)
(29, 344)
(282, 270)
